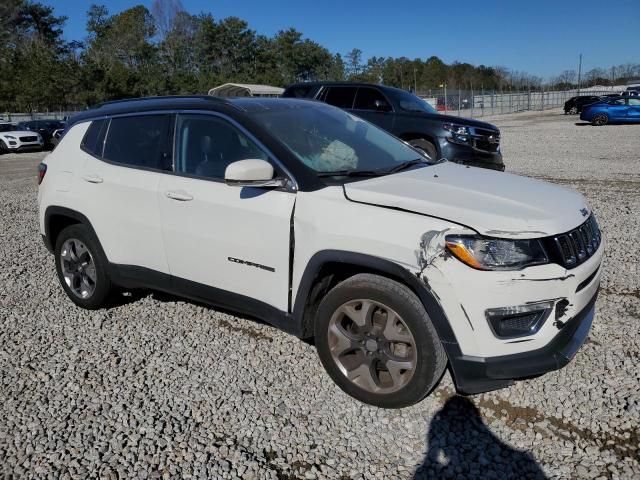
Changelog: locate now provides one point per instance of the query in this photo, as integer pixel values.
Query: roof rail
(159, 97)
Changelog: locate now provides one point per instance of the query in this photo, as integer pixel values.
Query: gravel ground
(160, 387)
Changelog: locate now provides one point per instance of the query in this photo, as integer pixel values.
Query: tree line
(166, 50)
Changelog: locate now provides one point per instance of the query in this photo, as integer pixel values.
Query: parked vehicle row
(16, 139)
(327, 226)
(30, 135)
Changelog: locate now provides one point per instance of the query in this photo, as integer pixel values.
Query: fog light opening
(518, 321)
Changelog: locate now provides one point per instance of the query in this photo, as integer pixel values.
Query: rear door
(124, 161)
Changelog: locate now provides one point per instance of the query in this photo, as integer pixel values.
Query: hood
(492, 203)
(468, 122)
(20, 133)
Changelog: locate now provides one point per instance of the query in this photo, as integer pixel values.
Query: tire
(600, 119)
(82, 267)
(573, 111)
(428, 148)
(407, 338)
(3, 148)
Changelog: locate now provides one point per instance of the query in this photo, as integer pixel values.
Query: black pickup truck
(408, 117)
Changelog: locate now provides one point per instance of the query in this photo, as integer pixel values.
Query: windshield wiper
(405, 165)
(351, 173)
(374, 173)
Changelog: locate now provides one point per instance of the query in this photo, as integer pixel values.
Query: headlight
(457, 129)
(10, 137)
(459, 133)
(496, 253)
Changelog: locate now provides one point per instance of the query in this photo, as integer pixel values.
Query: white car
(14, 140)
(326, 226)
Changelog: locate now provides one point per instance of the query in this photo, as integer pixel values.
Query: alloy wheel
(78, 268)
(372, 346)
(600, 119)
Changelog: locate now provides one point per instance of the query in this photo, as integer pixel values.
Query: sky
(540, 37)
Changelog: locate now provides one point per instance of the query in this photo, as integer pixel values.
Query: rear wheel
(573, 110)
(377, 342)
(82, 267)
(425, 146)
(600, 119)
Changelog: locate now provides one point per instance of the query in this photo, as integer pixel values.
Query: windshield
(411, 103)
(6, 127)
(327, 139)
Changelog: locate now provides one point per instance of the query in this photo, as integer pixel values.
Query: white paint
(238, 238)
(492, 203)
(249, 170)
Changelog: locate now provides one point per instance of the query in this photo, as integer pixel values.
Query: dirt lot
(160, 387)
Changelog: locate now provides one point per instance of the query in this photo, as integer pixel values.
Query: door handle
(179, 195)
(92, 179)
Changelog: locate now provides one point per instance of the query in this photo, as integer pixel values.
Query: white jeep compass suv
(325, 226)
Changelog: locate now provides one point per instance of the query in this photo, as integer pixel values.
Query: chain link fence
(474, 103)
(24, 117)
(464, 103)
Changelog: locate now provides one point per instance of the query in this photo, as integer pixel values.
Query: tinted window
(367, 97)
(411, 103)
(341, 96)
(297, 92)
(139, 141)
(206, 145)
(94, 138)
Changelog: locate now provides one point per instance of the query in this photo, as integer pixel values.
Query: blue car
(613, 110)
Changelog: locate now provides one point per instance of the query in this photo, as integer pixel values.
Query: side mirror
(382, 106)
(252, 173)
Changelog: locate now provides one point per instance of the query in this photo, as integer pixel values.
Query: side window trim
(109, 118)
(278, 164)
(90, 122)
(378, 91)
(327, 90)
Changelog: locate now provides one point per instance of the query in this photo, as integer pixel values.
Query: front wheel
(377, 342)
(3, 148)
(426, 147)
(600, 119)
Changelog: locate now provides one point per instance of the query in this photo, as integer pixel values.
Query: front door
(235, 239)
(633, 112)
(371, 105)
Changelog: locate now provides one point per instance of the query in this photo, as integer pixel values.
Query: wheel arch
(57, 219)
(407, 137)
(328, 267)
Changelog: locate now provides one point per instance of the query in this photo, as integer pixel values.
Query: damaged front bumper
(481, 374)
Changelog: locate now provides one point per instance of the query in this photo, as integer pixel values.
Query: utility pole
(579, 73)
(415, 82)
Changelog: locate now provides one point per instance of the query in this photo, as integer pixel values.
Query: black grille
(29, 139)
(577, 246)
(487, 140)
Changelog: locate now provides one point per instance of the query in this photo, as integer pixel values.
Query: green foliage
(166, 50)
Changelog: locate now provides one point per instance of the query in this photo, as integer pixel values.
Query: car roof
(347, 84)
(145, 104)
(191, 102)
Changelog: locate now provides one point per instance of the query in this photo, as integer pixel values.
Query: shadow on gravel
(461, 446)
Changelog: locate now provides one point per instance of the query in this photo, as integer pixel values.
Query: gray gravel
(158, 387)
